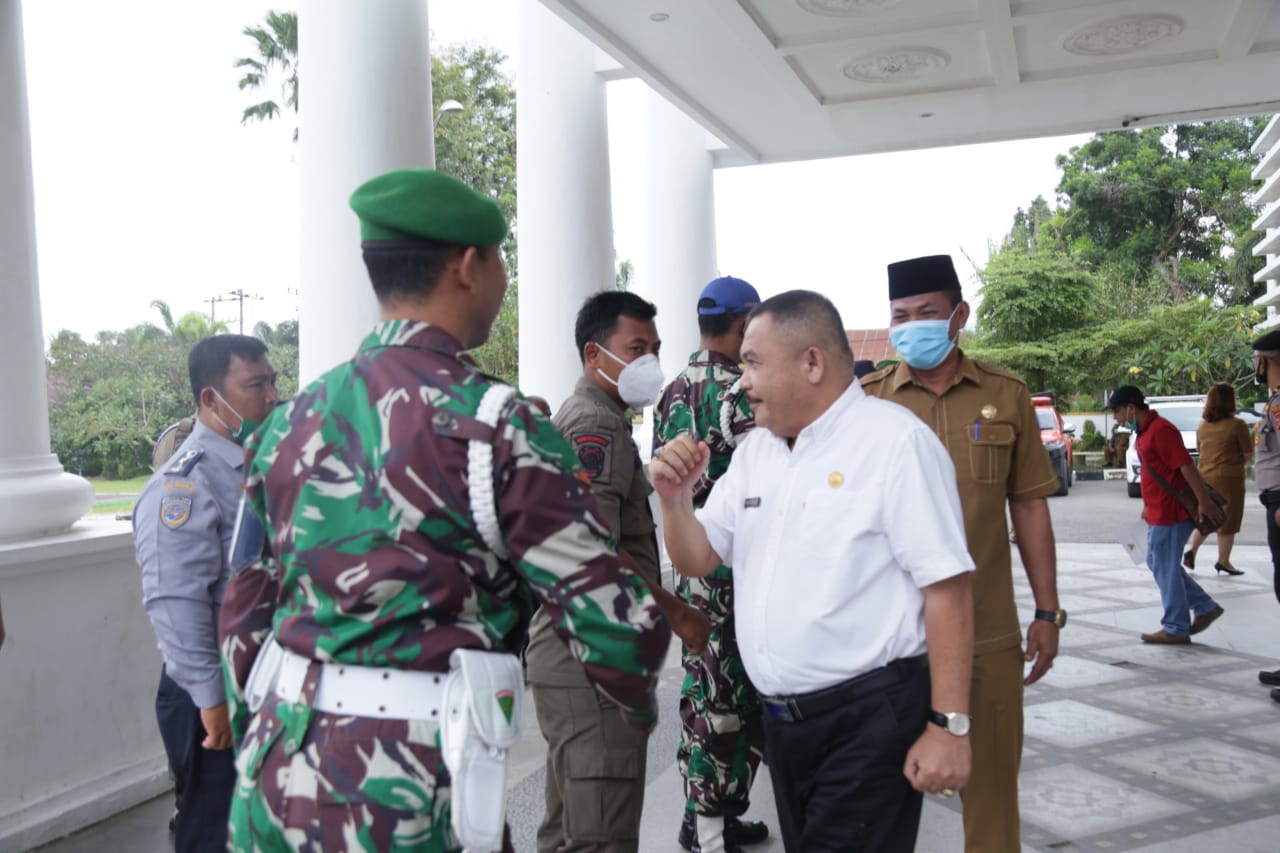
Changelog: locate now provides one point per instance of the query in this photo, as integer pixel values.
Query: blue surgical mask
(923, 343)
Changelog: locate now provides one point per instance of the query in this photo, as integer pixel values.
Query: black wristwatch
(955, 722)
(1057, 617)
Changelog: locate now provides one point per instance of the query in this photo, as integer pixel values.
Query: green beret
(423, 204)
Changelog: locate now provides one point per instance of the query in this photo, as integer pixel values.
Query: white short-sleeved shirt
(831, 541)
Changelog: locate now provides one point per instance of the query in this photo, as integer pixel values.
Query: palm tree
(277, 44)
(190, 327)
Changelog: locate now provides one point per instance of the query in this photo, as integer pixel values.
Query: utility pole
(237, 295)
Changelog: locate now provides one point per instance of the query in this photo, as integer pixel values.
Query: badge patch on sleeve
(593, 453)
(175, 510)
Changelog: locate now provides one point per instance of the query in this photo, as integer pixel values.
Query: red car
(1056, 435)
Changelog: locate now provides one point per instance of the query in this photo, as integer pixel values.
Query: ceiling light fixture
(659, 17)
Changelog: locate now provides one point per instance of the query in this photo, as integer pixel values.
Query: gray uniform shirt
(182, 528)
(1266, 460)
(598, 429)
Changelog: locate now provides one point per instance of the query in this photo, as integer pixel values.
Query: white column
(680, 226)
(566, 228)
(365, 109)
(36, 495)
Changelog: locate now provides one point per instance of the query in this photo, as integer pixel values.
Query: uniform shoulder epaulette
(877, 375)
(998, 371)
(182, 466)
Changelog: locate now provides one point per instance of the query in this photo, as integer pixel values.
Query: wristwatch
(955, 722)
(1057, 617)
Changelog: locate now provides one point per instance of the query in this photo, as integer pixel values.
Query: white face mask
(640, 381)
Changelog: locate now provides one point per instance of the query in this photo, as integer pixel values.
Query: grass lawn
(103, 486)
(112, 507)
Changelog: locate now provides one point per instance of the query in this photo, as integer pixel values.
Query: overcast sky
(148, 187)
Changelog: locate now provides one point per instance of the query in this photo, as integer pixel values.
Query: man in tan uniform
(595, 761)
(985, 418)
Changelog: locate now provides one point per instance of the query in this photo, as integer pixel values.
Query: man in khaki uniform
(985, 418)
(595, 761)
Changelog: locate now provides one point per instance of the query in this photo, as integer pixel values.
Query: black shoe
(739, 831)
(736, 833)
(1275, 695)
(1227, 570)
(1269, 677)
(1189, 561)
(688, 836)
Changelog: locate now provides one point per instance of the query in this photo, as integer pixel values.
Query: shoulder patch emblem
(175, 510)
(591, 449)
(184, 463)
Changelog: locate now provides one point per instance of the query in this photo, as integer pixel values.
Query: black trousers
(205, 777)
(1271, 501)
(837, 777)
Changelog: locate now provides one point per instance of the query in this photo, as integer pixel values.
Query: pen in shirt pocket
(975, 427)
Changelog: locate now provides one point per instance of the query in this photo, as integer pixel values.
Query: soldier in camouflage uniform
(378, 560)
(721, 739)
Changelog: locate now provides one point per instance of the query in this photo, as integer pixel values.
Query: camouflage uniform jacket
(699, 401)
(597, 428)
(360, 482)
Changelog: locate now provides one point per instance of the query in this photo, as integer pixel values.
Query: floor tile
(1072, 802)
(1070, 724)
(1215, 769)
(1070, 672)
(1184, 701)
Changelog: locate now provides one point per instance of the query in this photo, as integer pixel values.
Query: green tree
(1032, 296)
(282, 345)
(276, 42)
(1169, 203)
(189, 328)
(477, 145)
(109, 398)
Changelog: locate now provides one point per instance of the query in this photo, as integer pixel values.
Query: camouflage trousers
(312, 781)
(721, 736)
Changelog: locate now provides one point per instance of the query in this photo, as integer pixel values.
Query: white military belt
(364, 691)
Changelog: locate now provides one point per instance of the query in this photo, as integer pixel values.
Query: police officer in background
(985, 419)
(182, 529)
(1266, 465)
(721, 738)
(416, 511)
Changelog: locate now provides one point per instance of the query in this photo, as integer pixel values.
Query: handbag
(1187, 498)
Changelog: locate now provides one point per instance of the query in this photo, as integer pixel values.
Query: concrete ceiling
(779, 80)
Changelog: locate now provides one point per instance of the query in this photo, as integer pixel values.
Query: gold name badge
(989, 411)
(835, 479)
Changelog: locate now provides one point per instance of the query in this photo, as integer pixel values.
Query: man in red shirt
(1161, 450)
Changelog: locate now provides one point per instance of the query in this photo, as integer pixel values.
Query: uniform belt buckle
(783, 709)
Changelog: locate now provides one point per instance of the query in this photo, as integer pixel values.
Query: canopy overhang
(783, 80)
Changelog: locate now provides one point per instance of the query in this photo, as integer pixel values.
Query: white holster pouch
(482, 720)
(264, 673)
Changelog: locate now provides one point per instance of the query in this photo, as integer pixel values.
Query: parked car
(1056, 434)
(1185, 412)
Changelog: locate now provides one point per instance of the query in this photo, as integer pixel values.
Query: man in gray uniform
(1266, 464)
(182, 529)
(595, 761)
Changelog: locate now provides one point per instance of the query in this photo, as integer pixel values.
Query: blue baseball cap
(727, 295)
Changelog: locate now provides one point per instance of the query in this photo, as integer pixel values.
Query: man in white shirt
(842, 524)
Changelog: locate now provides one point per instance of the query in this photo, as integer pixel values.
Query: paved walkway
(1128, 747)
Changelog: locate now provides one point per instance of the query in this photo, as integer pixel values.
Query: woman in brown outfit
(1225, 447)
